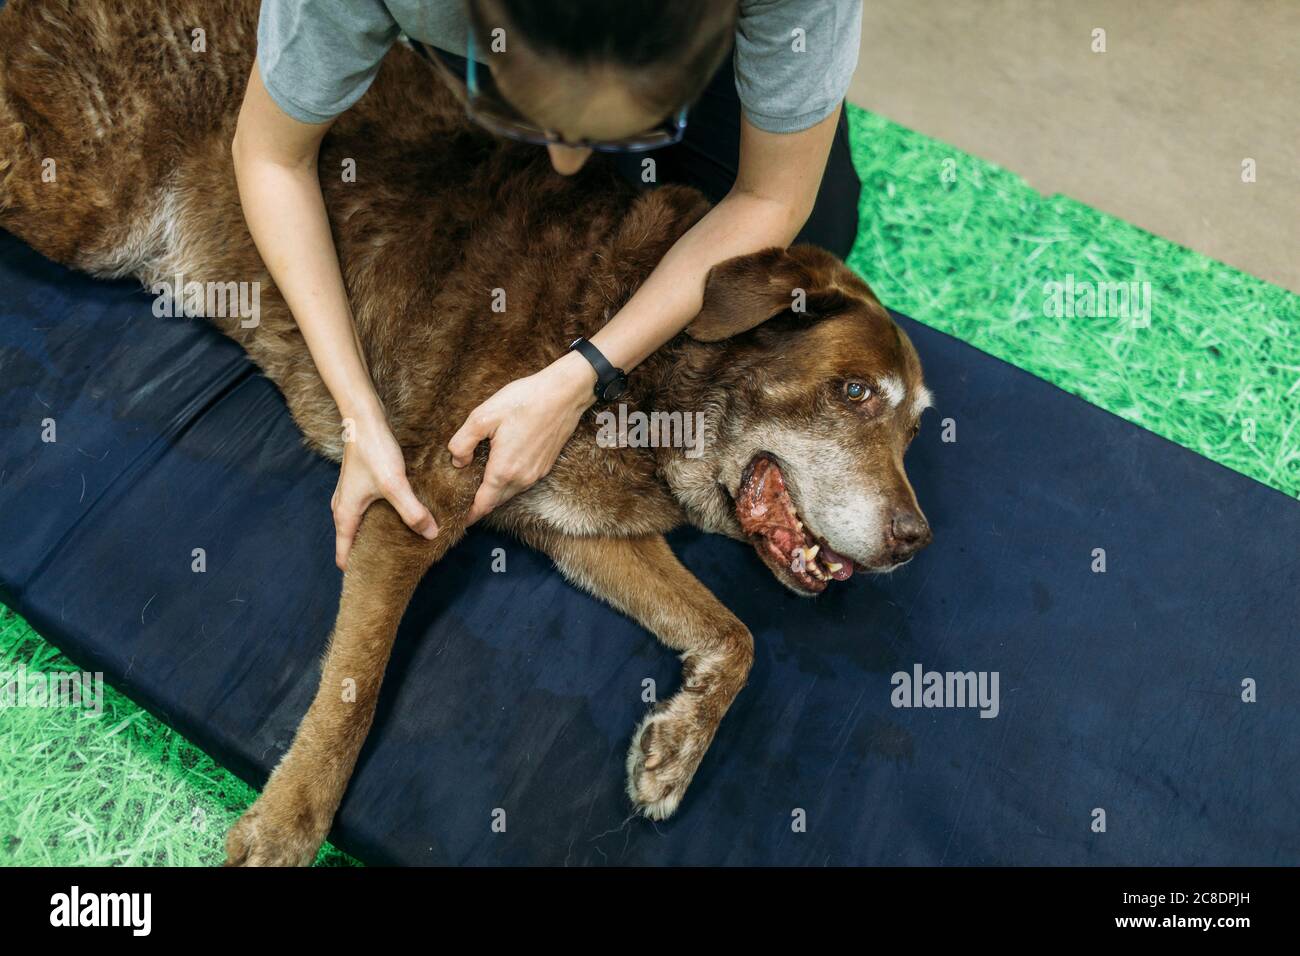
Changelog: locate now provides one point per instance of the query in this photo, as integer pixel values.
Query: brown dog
(807, 412)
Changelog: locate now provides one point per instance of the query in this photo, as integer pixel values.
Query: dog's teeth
(811, 553)
(834, 566)
(797, 560)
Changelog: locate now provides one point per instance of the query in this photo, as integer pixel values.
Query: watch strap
(606, 373)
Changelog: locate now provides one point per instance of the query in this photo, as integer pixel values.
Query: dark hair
(670, 48)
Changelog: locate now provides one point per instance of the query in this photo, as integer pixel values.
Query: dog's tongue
(829, 556)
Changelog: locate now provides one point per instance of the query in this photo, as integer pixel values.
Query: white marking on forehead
(921, 400)
(892, 389)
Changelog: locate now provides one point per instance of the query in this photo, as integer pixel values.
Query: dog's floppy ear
(748, 290)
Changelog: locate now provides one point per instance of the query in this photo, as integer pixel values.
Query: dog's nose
(908, 533)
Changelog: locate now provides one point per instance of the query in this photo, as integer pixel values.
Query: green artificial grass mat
(949, 239)
(118, 788)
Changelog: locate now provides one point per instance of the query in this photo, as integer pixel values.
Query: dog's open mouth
(767, 514)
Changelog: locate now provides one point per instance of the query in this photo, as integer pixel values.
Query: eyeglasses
(486, 106)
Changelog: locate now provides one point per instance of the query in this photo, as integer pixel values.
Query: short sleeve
(794, 60)
(317, 59)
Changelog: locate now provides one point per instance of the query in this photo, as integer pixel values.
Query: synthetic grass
(117, 788)
(951, 240)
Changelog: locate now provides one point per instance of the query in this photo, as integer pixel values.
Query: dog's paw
(268, 836)
(666, 750)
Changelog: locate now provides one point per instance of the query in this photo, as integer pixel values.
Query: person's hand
(527, 423)
(373, 468)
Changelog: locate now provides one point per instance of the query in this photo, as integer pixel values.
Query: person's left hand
(527, 423)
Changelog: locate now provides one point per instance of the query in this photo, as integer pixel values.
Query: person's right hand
(373, 468)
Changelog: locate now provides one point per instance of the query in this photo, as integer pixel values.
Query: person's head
(596, 70)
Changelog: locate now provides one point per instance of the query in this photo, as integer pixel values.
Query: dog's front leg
(643, 578)
(289, 821)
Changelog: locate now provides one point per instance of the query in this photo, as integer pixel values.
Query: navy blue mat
(1119, 691)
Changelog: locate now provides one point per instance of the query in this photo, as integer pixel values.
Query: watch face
(615, 388)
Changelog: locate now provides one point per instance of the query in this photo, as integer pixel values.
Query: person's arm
(529, 421)
(776, 186)
(275, 159)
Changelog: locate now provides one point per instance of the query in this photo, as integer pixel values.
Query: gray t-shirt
(793, 58)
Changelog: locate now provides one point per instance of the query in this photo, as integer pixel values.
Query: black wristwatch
(611, 382)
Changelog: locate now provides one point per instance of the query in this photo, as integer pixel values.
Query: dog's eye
(856, 391)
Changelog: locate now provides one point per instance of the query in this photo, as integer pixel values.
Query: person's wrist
(579, 377)
(364, 411)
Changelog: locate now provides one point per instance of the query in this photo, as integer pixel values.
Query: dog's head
(814, 396)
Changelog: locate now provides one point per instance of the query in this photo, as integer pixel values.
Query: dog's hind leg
(643, 578)
(289, 821)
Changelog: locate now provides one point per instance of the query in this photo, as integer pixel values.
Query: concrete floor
(1153, 131)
